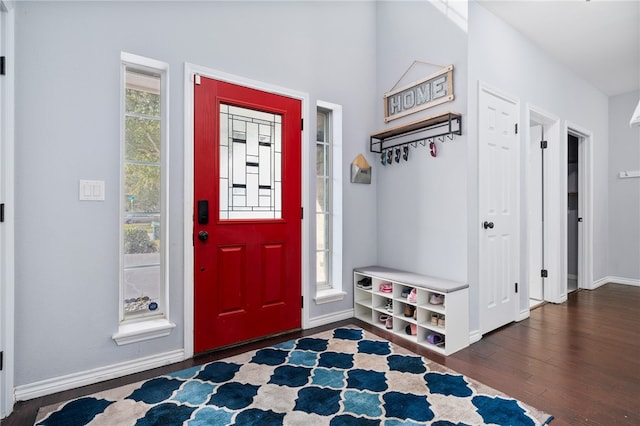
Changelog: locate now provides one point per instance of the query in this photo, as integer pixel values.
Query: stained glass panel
(250, 155)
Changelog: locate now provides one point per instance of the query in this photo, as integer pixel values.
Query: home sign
(419, 95)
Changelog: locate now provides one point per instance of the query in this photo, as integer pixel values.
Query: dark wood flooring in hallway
(579, 361)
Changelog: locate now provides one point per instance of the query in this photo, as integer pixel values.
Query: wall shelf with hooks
(430, 129)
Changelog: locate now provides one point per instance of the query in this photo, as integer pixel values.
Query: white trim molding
(132, 332)
(330, 318)
(475, 336)
(190, 71)
(328, 296)
(615, 280)
(83, 378)
(524, 314)
(585, 188)
(7, 196)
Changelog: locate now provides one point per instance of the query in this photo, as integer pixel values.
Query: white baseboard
(84, 378)
(475, 336)
(329, 318)
(615, 280)
(524, 314)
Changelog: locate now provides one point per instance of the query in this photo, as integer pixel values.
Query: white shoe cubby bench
(442, 326)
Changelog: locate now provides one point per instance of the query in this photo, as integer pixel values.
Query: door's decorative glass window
(250, 164)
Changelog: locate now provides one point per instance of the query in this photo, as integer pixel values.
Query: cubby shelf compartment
(435, 127)
(369, 304)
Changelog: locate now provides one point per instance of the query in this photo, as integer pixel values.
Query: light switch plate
(91, 190)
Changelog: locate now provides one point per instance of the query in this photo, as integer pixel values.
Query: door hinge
(3, 70)
(1, 360)
(1, 212)
(301, 213)
(302, 124)
(543, 144)
(516, 128)
(544, 273)
(302, 301)
(196, 79)
(516, 287)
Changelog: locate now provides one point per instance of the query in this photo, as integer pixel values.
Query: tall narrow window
(328, 203)
(143, 275)
(323, 199)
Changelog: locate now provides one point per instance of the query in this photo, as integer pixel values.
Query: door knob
(487, 225)
(203, 235)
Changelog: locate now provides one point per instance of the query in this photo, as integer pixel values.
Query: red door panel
(247, 159)
(273, 276)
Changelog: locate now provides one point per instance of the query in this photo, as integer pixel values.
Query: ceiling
(599, 39)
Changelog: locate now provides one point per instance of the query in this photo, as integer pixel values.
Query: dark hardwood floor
(579, 361)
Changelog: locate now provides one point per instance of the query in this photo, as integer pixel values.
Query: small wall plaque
(360, 170)
(422, 94)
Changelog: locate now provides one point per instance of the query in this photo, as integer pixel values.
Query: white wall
(624, 194)
(67, 128)
(503, 58)
(422, 203)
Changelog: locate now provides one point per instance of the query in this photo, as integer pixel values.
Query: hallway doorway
(573, 212)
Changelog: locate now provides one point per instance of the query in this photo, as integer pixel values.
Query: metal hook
(405, 155)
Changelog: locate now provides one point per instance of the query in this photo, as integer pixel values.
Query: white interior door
(499, 183)
(534, 213)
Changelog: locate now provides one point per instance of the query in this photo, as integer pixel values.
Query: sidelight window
(143, 196)
(328, 203)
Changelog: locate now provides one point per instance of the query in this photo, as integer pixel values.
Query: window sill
(328, 296)
(143, 330)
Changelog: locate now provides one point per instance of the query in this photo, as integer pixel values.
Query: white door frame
(7, 285)
(552, 287)
(189, 71)
(585, 206)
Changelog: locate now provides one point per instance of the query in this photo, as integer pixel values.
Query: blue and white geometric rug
(339, 377)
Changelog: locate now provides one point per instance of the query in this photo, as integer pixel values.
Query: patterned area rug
(339, 377)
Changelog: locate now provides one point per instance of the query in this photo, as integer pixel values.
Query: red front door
(247, 204)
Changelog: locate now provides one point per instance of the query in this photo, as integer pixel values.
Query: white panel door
(499, 183)
(534, 213)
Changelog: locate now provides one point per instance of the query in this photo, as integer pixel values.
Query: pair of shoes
(435, 339)
(409, 311)
(436, 299)
(413, 296)
(389, 305)
(411, 329)
(386, 288)
(389, 323)
(437, 320)
(383, 318)
(405, 292)
(364, 283)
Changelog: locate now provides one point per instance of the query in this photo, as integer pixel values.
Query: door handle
(487, 225)
(203, 236)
